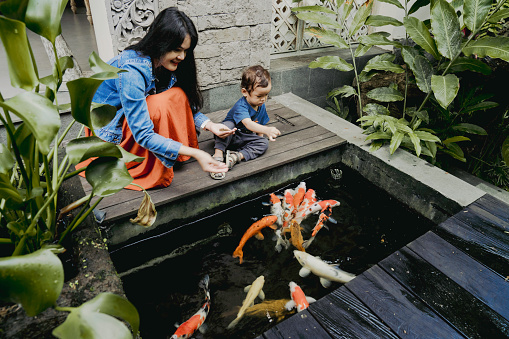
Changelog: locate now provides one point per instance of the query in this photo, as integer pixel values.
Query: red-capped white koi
(254, 230)
(276, 208)
(309, 199)
(319, 206)
(287, 207)
(186, 329)
(299, 299)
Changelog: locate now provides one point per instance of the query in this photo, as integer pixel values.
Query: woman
(158, 102)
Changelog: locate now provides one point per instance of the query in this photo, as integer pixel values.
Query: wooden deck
(300, 139)
(452, 282)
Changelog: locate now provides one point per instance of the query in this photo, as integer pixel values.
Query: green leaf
(456, 150)
(446, 28)
(383, 62)
(382, 20)
(455, 139)
(361, 50)
(385, 94)
(378, 136)
(321, 9)
(107, 176)
(482, 106)
(420, 34)
(344, 91)
(35, 280)
(347, 8)
(13, 199)
(475, 12)
(375, 145)
(360, 17)
(39, 114)
(84, 148)
(129, 157)
(102, 114)
(445, 88)
(423, 72)
(396, 141)
(99, 66)
(393, 2)
(505, 151)
(327, 37)
(6, 160)
(426, 136)
(378, 38)
(14, 9)
(470, 128)
(17, 49)
(469, 64)
(318, 18)
(375, 109)
(418, 4)
(499, 16)
(432, 147)
(494, 47)
(331, 62)
(416, 142)
(82, 91)
(43, 17)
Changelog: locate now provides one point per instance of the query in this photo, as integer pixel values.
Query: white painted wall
(101, 29)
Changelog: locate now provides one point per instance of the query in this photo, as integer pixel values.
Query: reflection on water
(164, 286)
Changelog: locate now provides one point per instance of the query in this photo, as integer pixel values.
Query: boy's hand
(220, 130)
(272, 133)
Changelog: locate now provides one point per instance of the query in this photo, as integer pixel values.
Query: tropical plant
(31, 172)
(431, 63)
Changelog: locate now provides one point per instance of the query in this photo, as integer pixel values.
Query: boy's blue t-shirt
(242, 110)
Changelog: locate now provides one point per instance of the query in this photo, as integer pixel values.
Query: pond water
(164, 286)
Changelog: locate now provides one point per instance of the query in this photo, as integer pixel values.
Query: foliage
(440, 53)
(31, 172)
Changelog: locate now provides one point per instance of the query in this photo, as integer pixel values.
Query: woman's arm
(207, 163)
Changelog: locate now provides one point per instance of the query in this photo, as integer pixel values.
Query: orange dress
(172, 117)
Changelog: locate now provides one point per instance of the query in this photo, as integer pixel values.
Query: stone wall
(233, 34)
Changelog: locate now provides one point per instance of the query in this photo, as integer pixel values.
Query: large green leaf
(84, 148)
(319, 9)
(39, 114)
(99, 66)
(107, 176)
(475, 12)
(6, 160)
(385, 94)
(470, 128)
(327, 37)
(382, 20)
(393, 2)
(505, 151)
(426, 136)
(331, 62)
(345, 91)
(102, 114)
(469, 64)
(318, 18)
(383, 62)
(375, 109)
(360, 17)
(43, 17)
(396, 141)
(416, 142)
(418, 4)
(494, 47)
(361, 50)
(95, 319)
(445, 88)
(82, 91)
(423, 71)
(14, 9)
(378, 38)
(420, 34)
(446, 28)
(35, 280)
(17, 50)
(499, 16)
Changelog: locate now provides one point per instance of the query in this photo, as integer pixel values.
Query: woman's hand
(207, 163)
(220, 130)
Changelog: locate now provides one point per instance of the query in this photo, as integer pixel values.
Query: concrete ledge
(433, 192)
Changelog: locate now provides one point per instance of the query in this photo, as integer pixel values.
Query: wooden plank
(404, 313)
(444, 296)
(345, 316)
(479, 280)
(300, 325)
(485, 222)
(493, 205)
(485, 244)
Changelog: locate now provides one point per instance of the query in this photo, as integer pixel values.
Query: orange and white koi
(276, 208)
(254, 290)
(287, 207)
(309, 199)
(186, 329)
(324, 216)
(319, 206)
(298, 197)
(254, 230)
(299, 299)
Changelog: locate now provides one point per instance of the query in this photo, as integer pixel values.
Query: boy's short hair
(254, 76)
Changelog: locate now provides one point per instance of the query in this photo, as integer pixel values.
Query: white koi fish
(318, 207)
(186, 329)
(299, 299)
(281, 241)
(276, 209)
(287, 207)
(254, 290)
(320, 268)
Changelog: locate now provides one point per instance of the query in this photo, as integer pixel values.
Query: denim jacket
(127, 93)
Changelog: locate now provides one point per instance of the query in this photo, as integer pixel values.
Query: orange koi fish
(276, 208)
(324, 216)
(187, 328)
(296, 239)
(254, 230)
(309, 199)
(319, 206)
(299, 196)
(287, 207)
(299, 299)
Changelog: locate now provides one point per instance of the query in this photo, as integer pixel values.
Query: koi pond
(161, 275)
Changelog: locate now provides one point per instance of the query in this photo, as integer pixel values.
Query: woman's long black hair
(166, 34)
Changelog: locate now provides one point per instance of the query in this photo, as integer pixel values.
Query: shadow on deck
(302, 148)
